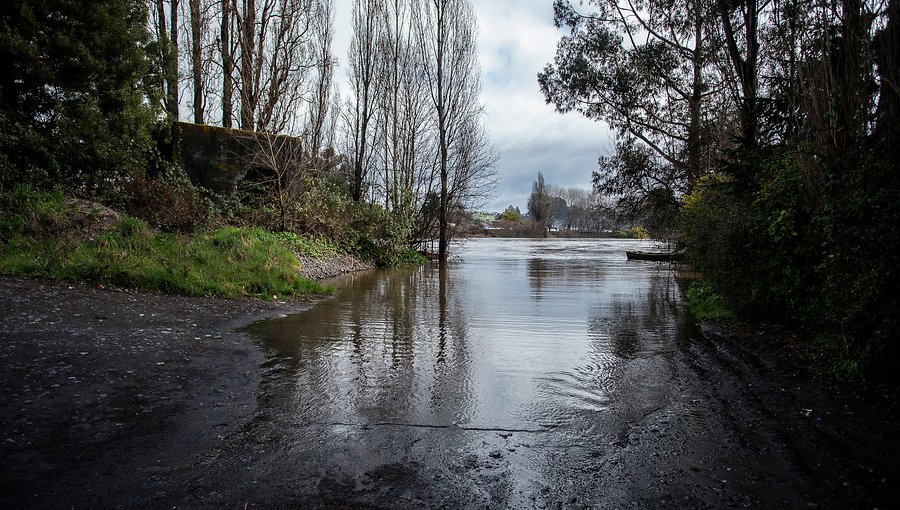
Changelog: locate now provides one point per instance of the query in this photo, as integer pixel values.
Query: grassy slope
(230, 262)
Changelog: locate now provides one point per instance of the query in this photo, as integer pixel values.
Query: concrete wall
(216, 158)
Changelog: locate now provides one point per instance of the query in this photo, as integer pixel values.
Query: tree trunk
(694, 155)
(248, 52)
(442, 133)
(227, 65)
(197, 60)
(172, 74)
(887, 58)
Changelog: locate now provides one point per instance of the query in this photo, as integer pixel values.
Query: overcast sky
(517, 39)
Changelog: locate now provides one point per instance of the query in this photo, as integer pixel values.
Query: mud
(122, 400)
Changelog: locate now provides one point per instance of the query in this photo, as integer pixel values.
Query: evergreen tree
(72, 93)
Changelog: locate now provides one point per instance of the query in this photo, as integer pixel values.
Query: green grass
(316, 247)
(705, 303)
(230, 262)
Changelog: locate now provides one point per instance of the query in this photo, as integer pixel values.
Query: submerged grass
(230, 262)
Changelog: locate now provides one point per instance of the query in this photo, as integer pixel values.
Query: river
(504, 379)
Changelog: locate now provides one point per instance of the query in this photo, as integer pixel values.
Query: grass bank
(43, 237)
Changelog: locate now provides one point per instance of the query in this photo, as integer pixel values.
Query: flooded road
(530, 374)
(504, 380)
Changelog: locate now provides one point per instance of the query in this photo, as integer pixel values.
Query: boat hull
(655, 256)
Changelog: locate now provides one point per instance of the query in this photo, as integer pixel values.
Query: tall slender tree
(447, 36)
(364, 74)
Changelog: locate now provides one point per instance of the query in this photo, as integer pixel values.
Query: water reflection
(389, 343)
(533, 349)
(537, 271)
(517, 334)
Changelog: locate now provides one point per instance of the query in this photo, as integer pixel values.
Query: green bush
(824, 258)
(169, 202)
(705, 303)
(758, 249)
(637, 232)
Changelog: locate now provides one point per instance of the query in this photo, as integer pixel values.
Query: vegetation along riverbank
(272, 174)
(765, 145)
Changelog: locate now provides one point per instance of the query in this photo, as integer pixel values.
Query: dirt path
(115, 399)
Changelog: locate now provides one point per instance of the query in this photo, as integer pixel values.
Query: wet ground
(562, 378)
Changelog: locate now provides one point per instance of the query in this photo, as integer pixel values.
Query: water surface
(519, 359)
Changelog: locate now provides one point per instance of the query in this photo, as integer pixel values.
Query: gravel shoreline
(333, 265)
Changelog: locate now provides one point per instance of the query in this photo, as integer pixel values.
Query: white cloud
(514, 46)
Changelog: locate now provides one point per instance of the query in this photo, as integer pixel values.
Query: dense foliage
(72, 97)
(772, 128)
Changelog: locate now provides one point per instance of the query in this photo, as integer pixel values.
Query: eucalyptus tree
(645, 68)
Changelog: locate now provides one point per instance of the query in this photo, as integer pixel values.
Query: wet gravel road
(123, 400)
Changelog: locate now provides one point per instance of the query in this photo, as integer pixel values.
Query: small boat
(656, 256)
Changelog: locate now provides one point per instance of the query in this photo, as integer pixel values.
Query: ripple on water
(517, 334)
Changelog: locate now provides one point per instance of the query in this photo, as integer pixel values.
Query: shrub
(705, 303)
(169, 202)
(637, 232)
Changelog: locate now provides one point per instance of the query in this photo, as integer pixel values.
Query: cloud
(514, 46)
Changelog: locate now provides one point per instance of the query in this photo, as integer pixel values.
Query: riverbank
(332, 265)
(777, 386)
(47, 235)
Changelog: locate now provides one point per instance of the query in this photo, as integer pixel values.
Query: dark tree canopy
(540, 203)
(644, 70)
(72, 106)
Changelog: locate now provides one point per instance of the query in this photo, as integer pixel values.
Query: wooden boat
(656, 256)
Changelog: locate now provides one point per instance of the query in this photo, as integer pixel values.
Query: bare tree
(403, 104)
(446, 33)
(320, 103)
(201, 15)
(275, 61)
(364, 73)
(167, 37)
(277, 162)
(227, 48)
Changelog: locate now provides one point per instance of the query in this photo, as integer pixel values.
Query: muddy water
(506, 380)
